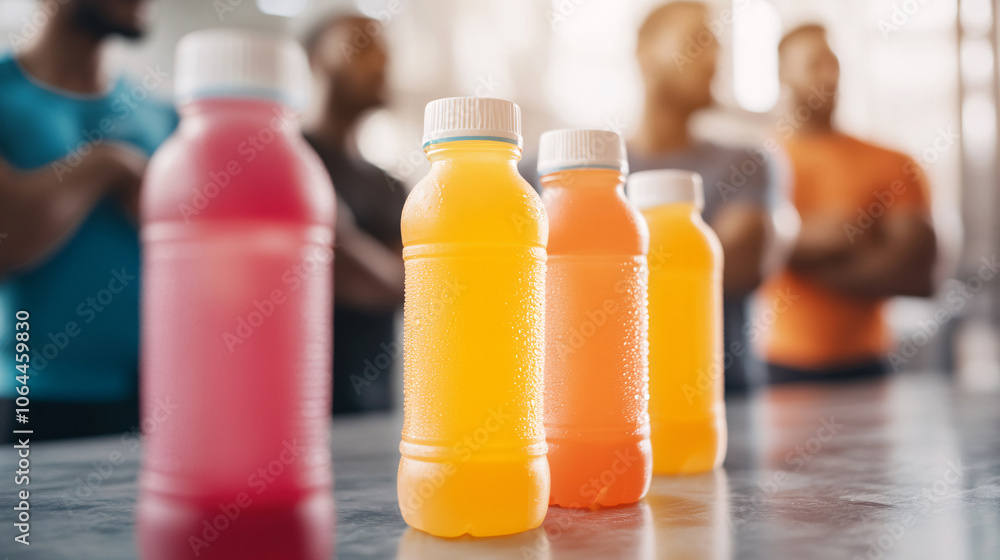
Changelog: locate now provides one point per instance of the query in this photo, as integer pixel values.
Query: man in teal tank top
(73, 145)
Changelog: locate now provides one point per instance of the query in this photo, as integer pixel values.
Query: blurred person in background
(349, 59)
(866, 232)
(738, 182)
(73, 145)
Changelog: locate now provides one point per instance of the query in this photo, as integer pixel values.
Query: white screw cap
(665, 186)
(472, 118)
(577, 148)
(236, 63)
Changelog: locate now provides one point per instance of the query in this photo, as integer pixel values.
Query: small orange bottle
(596, 368)
(686, 410)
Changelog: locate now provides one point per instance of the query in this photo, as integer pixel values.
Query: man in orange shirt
(866, 232)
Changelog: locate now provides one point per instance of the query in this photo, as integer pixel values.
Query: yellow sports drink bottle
(474, 235)
(686, 411)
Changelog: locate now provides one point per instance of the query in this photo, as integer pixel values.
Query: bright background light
(283, 8)
(756, 34)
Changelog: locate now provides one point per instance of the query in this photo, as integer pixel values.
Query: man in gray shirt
(677, 55)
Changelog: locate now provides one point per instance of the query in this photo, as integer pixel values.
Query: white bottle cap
(665, 186)
(236, 63)
(579, 148)
(472, 118)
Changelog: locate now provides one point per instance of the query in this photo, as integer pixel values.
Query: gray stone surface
(912, 471)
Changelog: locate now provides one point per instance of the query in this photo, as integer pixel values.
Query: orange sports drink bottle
(596, 367)
(686, 410)
(474, 234)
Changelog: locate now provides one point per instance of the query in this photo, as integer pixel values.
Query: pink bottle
(237, 233)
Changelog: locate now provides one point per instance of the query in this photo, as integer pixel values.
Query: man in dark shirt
(349, 60)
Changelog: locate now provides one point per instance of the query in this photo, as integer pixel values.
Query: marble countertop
(901, 468)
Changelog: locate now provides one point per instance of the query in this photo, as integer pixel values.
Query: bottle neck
(584, 178)
(680, 209)
(269, 113)
(488, 152)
